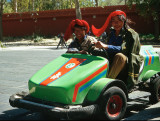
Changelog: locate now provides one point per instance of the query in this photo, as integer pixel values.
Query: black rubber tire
(155, 90)
(12, 99)
(112, 104)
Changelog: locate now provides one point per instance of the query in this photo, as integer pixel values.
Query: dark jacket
(131, 48)
(87, 45)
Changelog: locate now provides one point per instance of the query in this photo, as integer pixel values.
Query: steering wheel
(100, 52)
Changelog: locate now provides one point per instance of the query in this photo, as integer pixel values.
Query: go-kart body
(151, 63)
(76, 82)
(68, 78)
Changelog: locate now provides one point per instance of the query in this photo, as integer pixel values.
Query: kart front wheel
(155, 90)
(113, 104)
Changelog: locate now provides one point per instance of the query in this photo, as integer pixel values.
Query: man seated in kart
(122, 46)
(82, 42)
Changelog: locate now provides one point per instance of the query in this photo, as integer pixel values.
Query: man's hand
(72, 52)
(100, 45)
(83, 52)
(75, 50)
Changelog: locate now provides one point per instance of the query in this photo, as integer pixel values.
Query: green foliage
(20, 5)
(7, 8)
(55, 37)
(1, 45)
(147, 8)
(37, 38)
(146, 37)
(111, 2)
(40, 5)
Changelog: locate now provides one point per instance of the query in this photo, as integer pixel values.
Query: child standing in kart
(82, 42)
(123, 47)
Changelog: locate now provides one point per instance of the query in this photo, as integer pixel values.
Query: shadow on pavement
(134, 112)
(22, 114)
(142, 112)
(147, 114)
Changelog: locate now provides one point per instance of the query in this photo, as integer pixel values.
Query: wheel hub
(114, 105)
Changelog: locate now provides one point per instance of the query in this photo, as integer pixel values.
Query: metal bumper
(73, 112)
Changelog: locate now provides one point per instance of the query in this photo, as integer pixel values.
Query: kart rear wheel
(113, 104)
(155, 90)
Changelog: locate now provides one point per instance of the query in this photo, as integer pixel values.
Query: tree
(20, 5)
(78, 10)
(148, 8)
(31, 6)
(71, 3)
(7, 8)
(15, 6)
(96, 1)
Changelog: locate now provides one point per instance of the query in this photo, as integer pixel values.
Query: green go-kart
(75, 86)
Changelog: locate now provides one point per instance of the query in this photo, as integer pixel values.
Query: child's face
(80, 33)
(117, 23)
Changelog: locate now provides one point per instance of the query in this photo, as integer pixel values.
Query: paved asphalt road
(18, 64)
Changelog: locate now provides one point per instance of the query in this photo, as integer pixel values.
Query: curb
(44, 44)
(51, 42)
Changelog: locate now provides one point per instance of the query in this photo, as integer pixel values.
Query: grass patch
(2, 46)
(149, 39)
(35, 38)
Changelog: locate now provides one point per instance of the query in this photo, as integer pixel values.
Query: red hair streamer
(98, 32)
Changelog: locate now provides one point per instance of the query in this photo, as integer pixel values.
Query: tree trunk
(78, 10)
(1, 14)
(96, 3)
(71, 3)
(33, 6)
(67, 5)
(92, 3)
(125, 2)
(15, 6)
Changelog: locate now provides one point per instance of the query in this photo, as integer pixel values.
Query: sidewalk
(44, 42)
